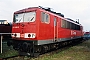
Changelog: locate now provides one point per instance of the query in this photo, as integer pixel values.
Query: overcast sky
(74, 9)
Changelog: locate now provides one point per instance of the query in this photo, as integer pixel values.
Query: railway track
(8, 57)
(19, 57)
(60, 49)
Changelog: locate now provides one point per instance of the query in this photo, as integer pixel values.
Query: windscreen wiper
(31, 19)
(20, 19)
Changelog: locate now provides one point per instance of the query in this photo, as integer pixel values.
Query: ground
(77, 52)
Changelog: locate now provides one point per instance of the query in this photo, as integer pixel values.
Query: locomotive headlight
(33, 35)
(15, 35)
(30, 35)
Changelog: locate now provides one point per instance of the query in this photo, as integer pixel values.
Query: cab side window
(45, 18)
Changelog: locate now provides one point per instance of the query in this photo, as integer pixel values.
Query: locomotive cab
(24, 25)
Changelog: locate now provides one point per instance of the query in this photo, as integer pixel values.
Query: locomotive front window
(18, 18)
(29, 17)
(25, 17)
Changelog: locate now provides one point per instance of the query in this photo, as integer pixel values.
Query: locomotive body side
(44, 32)
(53, 31)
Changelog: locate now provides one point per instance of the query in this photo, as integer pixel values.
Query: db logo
(73, 33)
(22, 35)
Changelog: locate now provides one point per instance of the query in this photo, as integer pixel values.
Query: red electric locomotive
(37, 29)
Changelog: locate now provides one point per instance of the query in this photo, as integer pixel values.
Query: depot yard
(8, 51)
(77, 52)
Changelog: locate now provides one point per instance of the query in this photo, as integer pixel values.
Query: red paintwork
(43, 31)
(5, 28)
